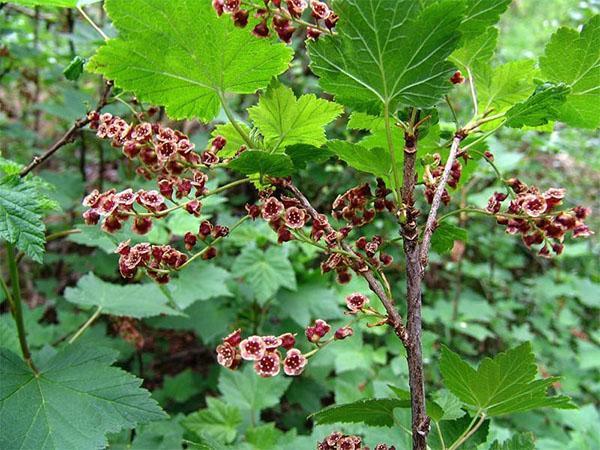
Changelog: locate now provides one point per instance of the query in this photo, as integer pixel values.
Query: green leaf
(517, 442)
(540, 108)
(76, 399)
(199, 283)
(503, 86)
(387, 53)
(444, 236)
(303, 154)
(375, 412)
(180, 388)
(218, 420)
(482, 14)
(452, 430)
(313, 299)
(265, 437)
(502, 385)
(574, 58)
(284, 120)
(375, 161)
(75, 68)
(265, 271)
(132, 300)
(185, 64)
(479, 36)
(257, 161)
(450, 405)
(246, 390)
(163, 435)
(20, 217)
(476, 51)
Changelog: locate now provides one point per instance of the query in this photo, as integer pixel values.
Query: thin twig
(437, 200)
(394, 318)
(69, 136)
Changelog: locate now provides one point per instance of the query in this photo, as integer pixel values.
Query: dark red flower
(269, 365)
(294, 362)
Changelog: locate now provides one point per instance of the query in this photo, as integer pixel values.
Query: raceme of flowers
(340, 441)
(170, 157)
(284, 17)
(357, 207)
(536, 217)
(269, 354)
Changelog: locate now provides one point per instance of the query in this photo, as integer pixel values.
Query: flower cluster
(358, 206)
(534, 215)
(283, 17)
(157, 260)
(114, 208)
(169, 156)
(340, 441)
(314, 333)
(264, 351)
(284, 215)
(433, 174)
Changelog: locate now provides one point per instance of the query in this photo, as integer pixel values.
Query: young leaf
(443, 239)
(574, 58)
(386, 53)
(258, 161)
(75, 68)
(265, 271)
(517, 442)
(503, 86)
(20, 219)
(540, 108)
(502, 385)
(76, 399)
(375, 161)
(133, 300)
(185, 64)
(376, 412)
(284, 120)
(218, 420)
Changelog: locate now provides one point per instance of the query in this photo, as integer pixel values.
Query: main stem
(420, 421)
(16, 307)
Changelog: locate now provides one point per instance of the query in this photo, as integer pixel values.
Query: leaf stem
(92, 23)
(390, 142)
(234, 123)
(473, 93)
(470, 431)
(86, 325)
(16, 305)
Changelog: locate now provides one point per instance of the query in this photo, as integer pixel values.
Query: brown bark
(420, 421)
